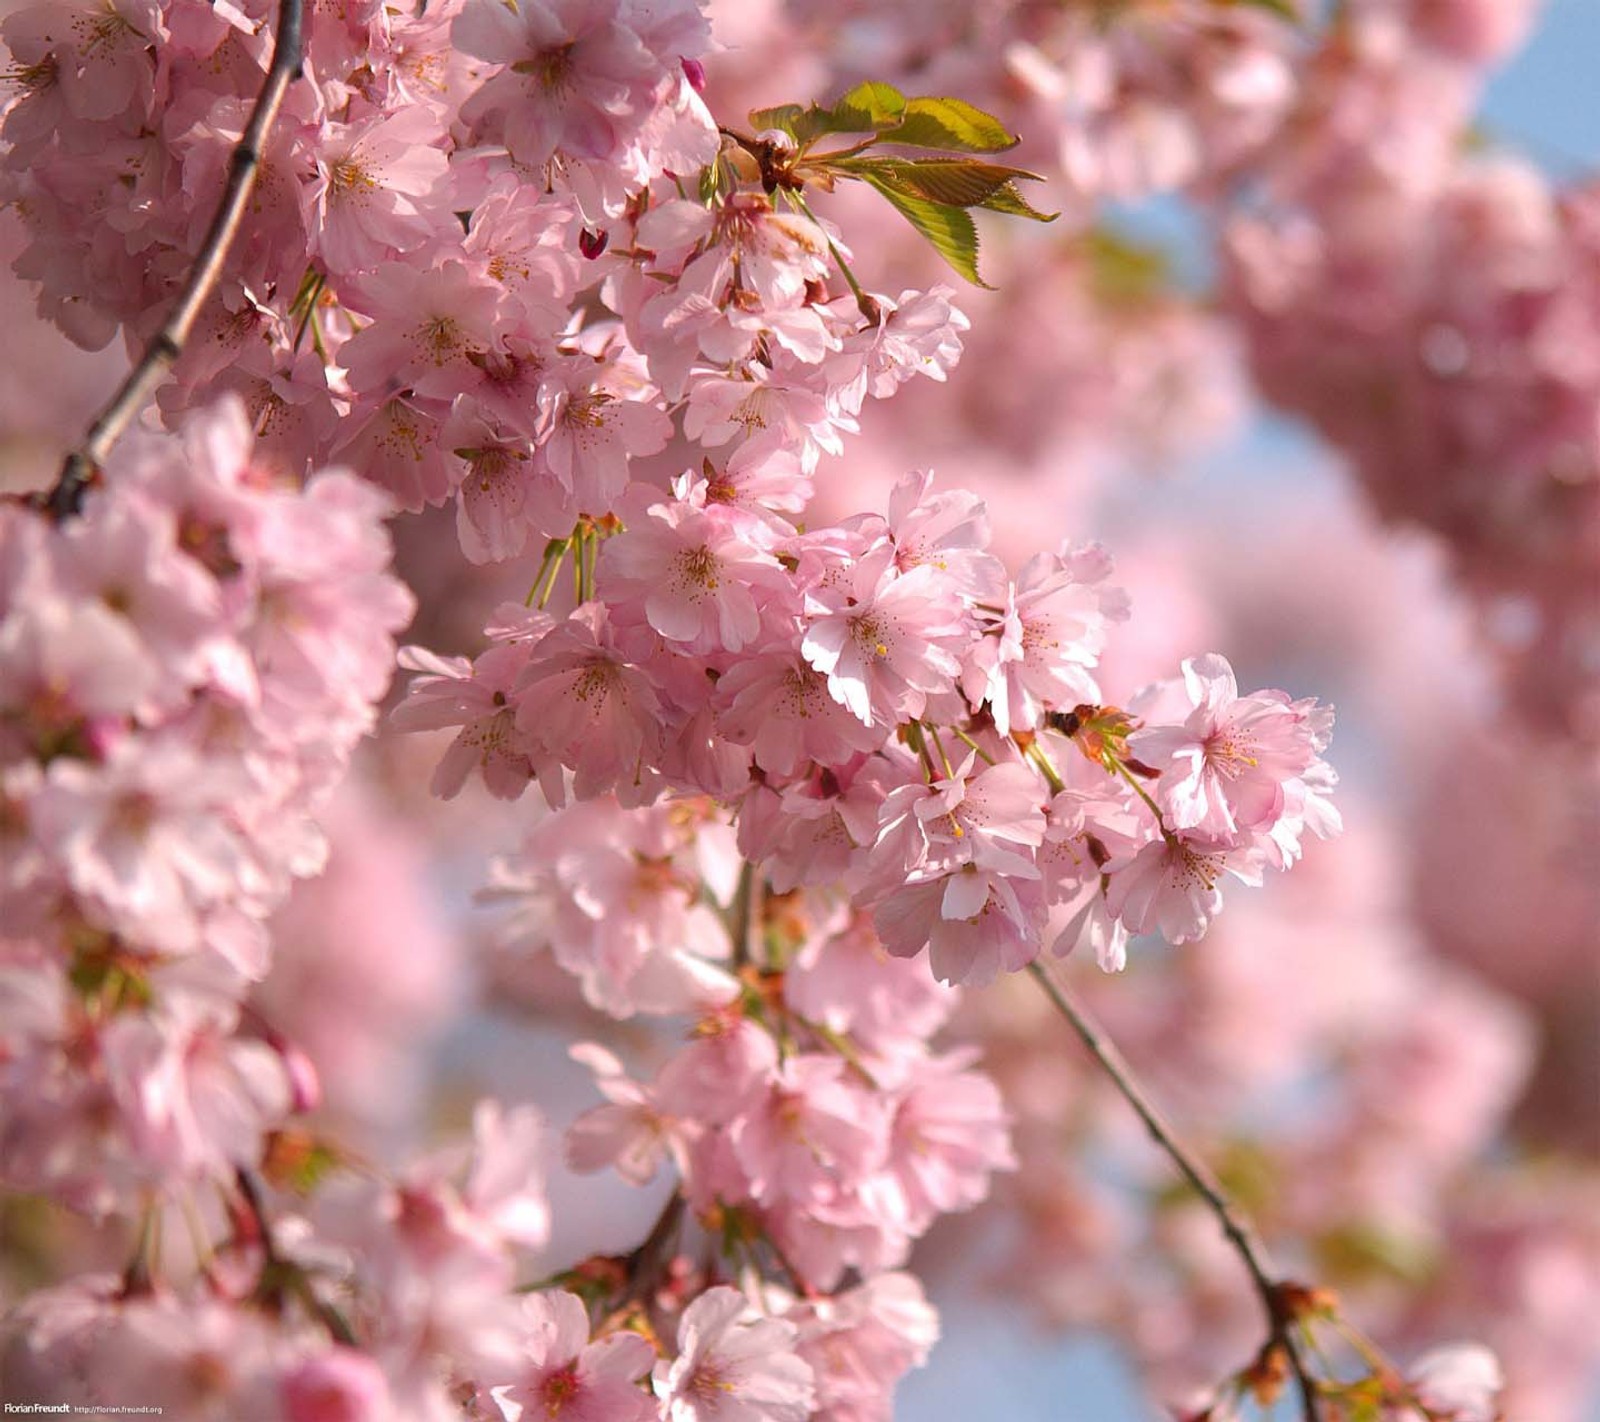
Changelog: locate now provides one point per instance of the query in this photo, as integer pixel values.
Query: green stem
(983, 755)
(555, 552)
(864, 301)
(1036, 754)
(316, 285)
(918, 743)
(1142, 793)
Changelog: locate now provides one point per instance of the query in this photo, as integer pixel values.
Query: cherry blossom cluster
(1430, 313)
(1485, 343)
(186, 670)
(503, 258)
(465, 272)
(817, 681)
(1155, 96)
(807, 1090)
(405, 1307)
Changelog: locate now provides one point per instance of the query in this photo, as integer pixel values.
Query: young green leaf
(950, 125)
(949, 229)
(1009, 200)
(804, 125)
(956, 182)
(867, 108)
(1283, 9)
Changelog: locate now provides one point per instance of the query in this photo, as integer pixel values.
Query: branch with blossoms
(800, 781)
(65, 498)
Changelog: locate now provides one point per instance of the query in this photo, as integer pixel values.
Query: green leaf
(803, 125)
(780, 116)
(950, 125)
(1283, 9)
(1009, 200)
(949, 229)
(867, 108)
(955, 182)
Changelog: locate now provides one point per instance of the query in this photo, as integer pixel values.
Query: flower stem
(864, 300)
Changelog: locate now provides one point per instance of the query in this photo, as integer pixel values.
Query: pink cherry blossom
(1224, 769)
(887, 642)
(734, 1366)
(569, 1377)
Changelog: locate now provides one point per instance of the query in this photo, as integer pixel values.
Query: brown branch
(1278, 1296)
(645, 1267)
(747, 915)
(65, 498)
(278, 1273)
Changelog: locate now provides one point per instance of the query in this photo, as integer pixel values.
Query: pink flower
(724, 1071)
(589, 430)
(616, 897)
(381, 189)
(427, 326)
(973, 923)
(99, 55)
(948, 529)
(991, 820)
(476, 696)
(568, 1378)
(1460, 1382)
(525, 240)
(195, 1098)
(779, 706)
(886, 640)
(63, 663)
(504, 1184)
(742, 242)
(1171, 885)
(862, 1341)
(1050, 638)
(146, 838)
(734, 1366)
(849, 983)
(950, 1133)
(574, 69)
(697, 575)
(813, 1129)
(920, 334)
(582, 702)
(1223, 770)
(628, 1133)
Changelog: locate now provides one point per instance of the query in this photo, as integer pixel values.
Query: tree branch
(278, 1273)
(65, 498)
(1277, 1295)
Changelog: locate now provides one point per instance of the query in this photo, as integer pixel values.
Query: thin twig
(1240, 1233)
(65, 499)
(748, 915)
(278, 1272)
(648, 1263)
